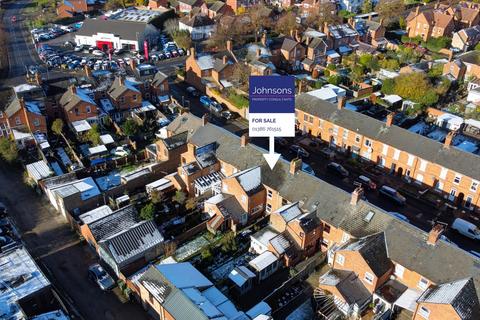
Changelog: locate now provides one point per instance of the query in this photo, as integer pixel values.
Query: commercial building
(116, 34)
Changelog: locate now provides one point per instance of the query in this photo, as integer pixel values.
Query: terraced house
(446, 169)
(374, 256)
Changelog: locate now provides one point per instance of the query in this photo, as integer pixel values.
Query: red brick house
(125, 95)
(77, 104)
(26, 116)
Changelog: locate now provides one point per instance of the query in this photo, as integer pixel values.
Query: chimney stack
(357, 194)
(373, 98)
(244, 140)
(300, 87)
(229, 45)
(370, 18)
(192, 52)
(390, 119)
(435, 234)
(417, 11)
(38, 78)
(291, 33)
(341, 102)
(264, 39)
(325, 28)
(204, 120)
(259, 53)
(382, 21)
(224, 59)
(350, 22)
(21, 101)
(88, 71)
(295, 165)
(73, 89)
(121, 80)
(297, 36)
(449, 139)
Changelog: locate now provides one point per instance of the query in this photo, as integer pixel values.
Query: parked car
(192, 91)
(306, 168)
(365, 182)
(226, 114)
(327, 153)
(206, 101)
(299, 151)
(337, 169)
(98, 275)
(98, 53)
(215, 107)
(399, 216)
(120, 152)
(281, 141)
(393, 194)
(466, 228)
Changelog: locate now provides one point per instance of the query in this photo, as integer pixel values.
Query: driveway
(58, 251)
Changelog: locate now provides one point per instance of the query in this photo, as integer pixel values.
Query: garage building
(116, 34)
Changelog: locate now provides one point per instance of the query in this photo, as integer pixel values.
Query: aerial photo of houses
(240, 159)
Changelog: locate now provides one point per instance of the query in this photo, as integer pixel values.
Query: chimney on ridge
(449, 139)
(244, 140)
(435, 234)
(390, 119)
(204, 120)
(295, 165)
(357, 194)
(341, 102)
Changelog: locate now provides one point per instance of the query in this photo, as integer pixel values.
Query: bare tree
(286, 23)
(259, 18)
(390, 10)
(171, 26)
(241, 74)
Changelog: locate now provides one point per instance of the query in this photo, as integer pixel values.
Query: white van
(466, 228)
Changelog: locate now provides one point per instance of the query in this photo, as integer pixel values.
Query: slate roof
(197, 21)
(127, 30)
(114, 223)
(289, 211)
(15, 106)
(159, 78)
(374, 252)
(348, 284)
(454, 159)
(250, 179)
(176, 141)
(216, 6)
(69, 99)
(288, 44)
(406, 244)
(460, 294)
(132, 241)
(186, 122)
(317, 42)
(120, 86)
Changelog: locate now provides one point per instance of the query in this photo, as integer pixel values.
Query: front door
(451, 196)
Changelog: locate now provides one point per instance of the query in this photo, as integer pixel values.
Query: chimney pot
(21, 100)
(417, 10)
(357, 194)
(88, 71)
(244, 140)
(341, 102)
(264, 39)
(449, 139)
(295, 165)
(435, 234)
(133, 64)
(73, 89)
(204, 120)
(38, 78)
(390, 119)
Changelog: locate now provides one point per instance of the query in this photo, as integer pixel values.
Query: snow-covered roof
(81, 126)
(250, 179)
(146, 106)
(95, 214)
(450, 118)
(20, 277)
(39, 170)
(97, 150)
(106, 139)
(392, 98)
(263, 261)
(25, 87)
(160, 184)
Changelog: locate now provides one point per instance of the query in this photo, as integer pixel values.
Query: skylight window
(369, 216)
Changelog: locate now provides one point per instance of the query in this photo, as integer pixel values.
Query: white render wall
(117, 42)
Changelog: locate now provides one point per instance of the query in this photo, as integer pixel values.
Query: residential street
(59, 253)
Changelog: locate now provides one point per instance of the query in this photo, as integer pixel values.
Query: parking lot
(57, 49)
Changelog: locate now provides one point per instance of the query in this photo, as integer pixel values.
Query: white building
(116, 34)
(200, 26)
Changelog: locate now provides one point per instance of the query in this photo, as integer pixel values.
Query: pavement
(59, 253)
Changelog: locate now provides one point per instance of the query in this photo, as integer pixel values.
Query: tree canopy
(57, 127)
(148, 212)
(8, 150)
